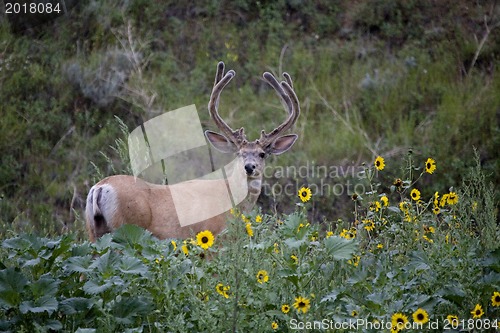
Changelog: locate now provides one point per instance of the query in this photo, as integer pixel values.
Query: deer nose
(249, 168)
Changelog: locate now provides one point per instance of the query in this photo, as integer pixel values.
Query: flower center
(204, 239)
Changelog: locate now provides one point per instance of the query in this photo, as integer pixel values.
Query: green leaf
(331, 297)
(94, 288)
(78, 264)
(289, 275)
(16, 243)
(85, 330)
(105, 264)
(294, 243)
(418, 261)
(131, 235)
(132, 265)
(74, 305)
(43, 304)
(340, 248)
(12, 284)
(452, 292)
(52, 324)
(125, 309)
(45, 286)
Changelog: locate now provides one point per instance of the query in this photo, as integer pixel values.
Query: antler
(290, 102)
(221, 80)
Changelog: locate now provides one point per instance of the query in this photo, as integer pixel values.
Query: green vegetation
(400, 259)
(373, 78)
(402, 80)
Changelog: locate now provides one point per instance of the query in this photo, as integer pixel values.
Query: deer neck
(254, 183)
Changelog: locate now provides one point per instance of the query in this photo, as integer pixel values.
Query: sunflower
(385, 200)
(274, 325)
(436, 210)
(185, 247)
(302, 304)
(415, 194)
(354, 261)
(477, 312)
(285, 308)
(174, 244)
(379, 163)
(399, 320)
(305, 194)
(452, 198)
(249, 229)
(443, 200)
(375, 206)
(420, 316)
(295, 259)
(348, 234)
(495, 299)
(205, 239)
(262, 276)
(222, 290)
(430, 166)
(258, 218)
(368, 225)
(452, 320)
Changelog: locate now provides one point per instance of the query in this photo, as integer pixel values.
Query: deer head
(253, 153)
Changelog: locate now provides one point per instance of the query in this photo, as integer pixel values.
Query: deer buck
(123, 199)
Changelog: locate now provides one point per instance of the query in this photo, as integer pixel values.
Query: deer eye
(262, 155)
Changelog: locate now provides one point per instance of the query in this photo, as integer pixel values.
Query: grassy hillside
(373, 77)
(398, 144)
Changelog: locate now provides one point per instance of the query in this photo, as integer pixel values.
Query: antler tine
(221, 80)
(290, 101)
(288, 79)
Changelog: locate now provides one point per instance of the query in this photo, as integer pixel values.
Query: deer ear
(282, 144)
(220, 142)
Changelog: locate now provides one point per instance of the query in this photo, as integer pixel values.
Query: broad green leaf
(132, 265)
(294, 243)
(453, 292)
(16, 243)
(418, 261)
(331, 297)
(131, 235)
(340, 248)
(45, 286)
(74, 305)
(12, 284)
(105, 264)
(127, 308)
(94, 288)
(86, 330)
(52, 324)
(43, 304)
(78, 264)
(289, 275)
